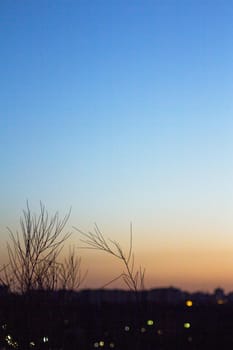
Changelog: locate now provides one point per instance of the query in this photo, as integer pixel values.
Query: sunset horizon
(122, 112)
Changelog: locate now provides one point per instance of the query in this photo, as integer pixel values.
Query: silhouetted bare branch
(70, 273)
(134, 279)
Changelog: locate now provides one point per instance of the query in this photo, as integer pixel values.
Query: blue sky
(122, 110)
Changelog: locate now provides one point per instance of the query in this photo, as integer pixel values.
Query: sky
(122, 110)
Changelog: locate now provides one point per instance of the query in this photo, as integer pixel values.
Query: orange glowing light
(189, 303)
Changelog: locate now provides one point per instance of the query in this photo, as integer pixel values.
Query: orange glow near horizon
(187, 270)
(200, 261)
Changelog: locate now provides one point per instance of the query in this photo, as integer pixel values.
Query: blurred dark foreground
(162, 319)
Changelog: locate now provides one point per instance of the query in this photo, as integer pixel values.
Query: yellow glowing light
(189, 303)
(101, 343)
(221, 301)
(150, 322)
(32, 344)
(187, 325)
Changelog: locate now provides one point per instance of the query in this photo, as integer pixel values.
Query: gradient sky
(123, 110)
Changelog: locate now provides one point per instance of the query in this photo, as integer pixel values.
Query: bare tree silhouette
(33, 254)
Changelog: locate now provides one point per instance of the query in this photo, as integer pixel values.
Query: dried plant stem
(134, 279)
